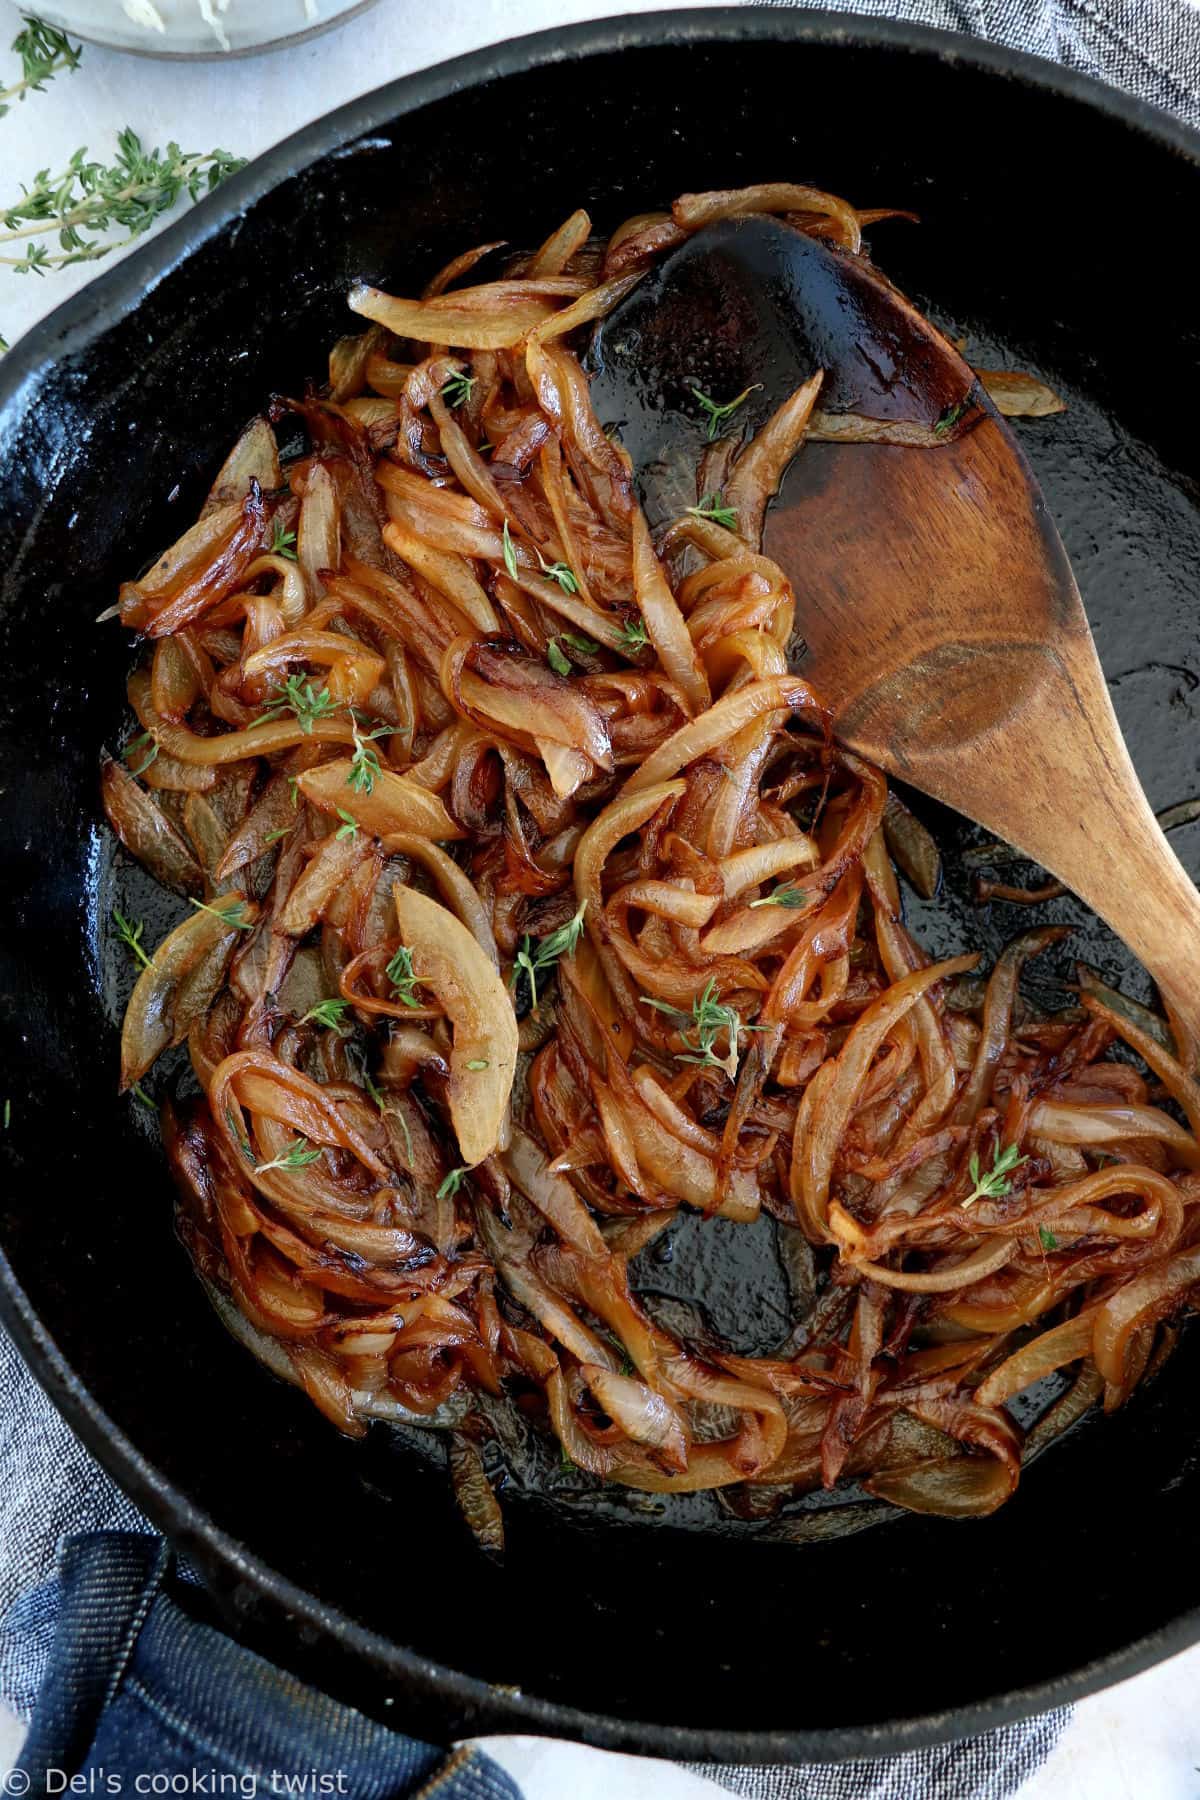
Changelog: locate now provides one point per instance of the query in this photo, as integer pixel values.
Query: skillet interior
(912, 1630)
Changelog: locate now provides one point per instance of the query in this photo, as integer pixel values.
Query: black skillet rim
(82, 320)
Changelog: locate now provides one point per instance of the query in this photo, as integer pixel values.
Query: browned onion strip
(1178, 1083)
(716, 726)
(692, 211)
(395, 803)
(483, 1056)
(450, 574)
(664, 621)
(1144, 1300)
(1068, 1124)
(494, 316)
(1018, 395)
(760, 468)
(814, 1150)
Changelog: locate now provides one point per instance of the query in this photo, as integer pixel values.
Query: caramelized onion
(554, 921)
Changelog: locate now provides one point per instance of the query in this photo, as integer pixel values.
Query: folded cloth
(137, 1687)
(50, 1487)
(1150, 48)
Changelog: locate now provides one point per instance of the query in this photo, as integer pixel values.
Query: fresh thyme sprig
(1047, 1238)
(561, 572)
(995, 1184)
(349, 825)
(234, 914)
(131, 936)
(44, 52)
(328, 1014)
(633, 635)
(716, 414)
(557, 657)
(453, 1182)
(149, 757)
(299, 696)
(93, 198)
(510, 554)
(456, 390)
(400, 973)
(713, 507)
(283, 543)
(243, 1141)
(950, 418)
(701, 1028)
(787, 894)
(536, 956)
(365, 767)
(296, 1156)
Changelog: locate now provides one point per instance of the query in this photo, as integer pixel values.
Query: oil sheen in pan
(737, 1286)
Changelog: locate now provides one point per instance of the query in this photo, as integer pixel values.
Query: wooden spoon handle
(1071, 800)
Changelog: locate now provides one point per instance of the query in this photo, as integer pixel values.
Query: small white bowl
(196, 27)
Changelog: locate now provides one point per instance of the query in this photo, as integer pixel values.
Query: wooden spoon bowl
(934, 596)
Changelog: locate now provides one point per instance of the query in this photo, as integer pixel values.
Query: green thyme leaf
(536, 956)
(298, 695)
(703, 1026)
(787, 894)
(146, 761)
(950, 418)
(510, 555)
(457, 388)
(44, 52)
(365, 767)
(296, 1156)
(84, 201)
(717, 415)
(995, 1184)
(327, 1013)
(283, 543)
(713, 507)
(131, 936)
(560, 572)
(400, 973)
(233, 914)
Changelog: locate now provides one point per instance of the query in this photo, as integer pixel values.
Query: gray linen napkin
(1150, 48)
(49, 1485)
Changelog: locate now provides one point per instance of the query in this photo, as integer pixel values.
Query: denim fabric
(139, 1698)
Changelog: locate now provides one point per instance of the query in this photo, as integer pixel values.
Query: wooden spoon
(940, 613)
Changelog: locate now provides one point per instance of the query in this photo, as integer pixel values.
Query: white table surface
(1140, 1741)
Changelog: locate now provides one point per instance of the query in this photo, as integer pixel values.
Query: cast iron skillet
(1050, 210)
